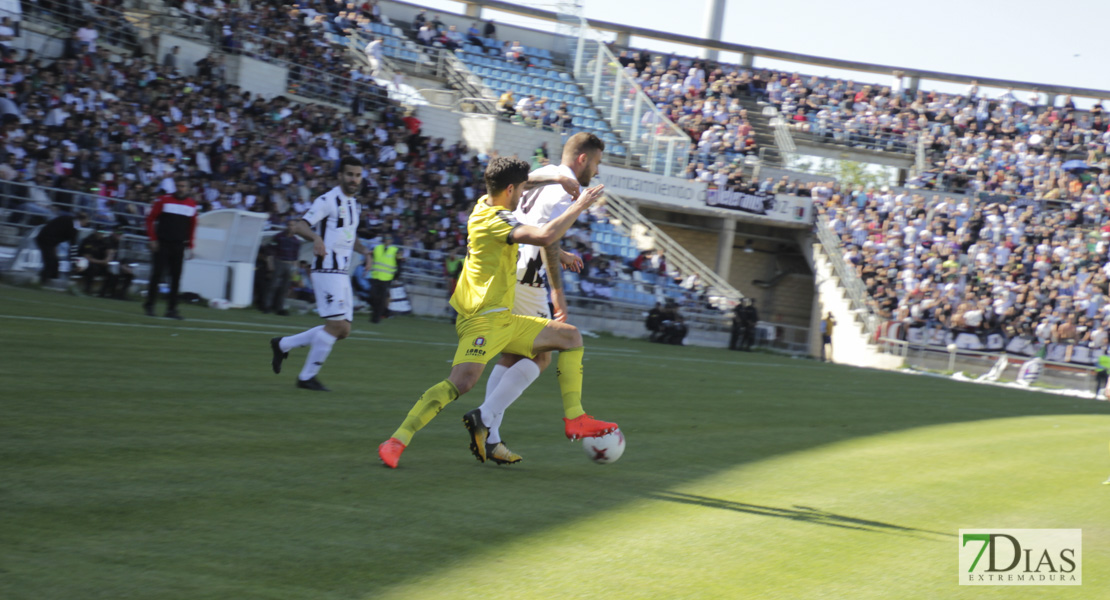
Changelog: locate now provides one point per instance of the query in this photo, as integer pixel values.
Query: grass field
(146, 458)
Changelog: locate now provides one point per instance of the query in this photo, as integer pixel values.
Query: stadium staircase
(644, 235)
(841, 292)
(762, 117)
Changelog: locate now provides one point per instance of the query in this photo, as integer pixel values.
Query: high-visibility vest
(385, 263)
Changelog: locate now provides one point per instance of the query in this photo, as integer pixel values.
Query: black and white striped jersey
(334, 217)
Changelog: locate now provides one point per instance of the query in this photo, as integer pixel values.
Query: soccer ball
(604, 449)
(80, 264)
(219, 304)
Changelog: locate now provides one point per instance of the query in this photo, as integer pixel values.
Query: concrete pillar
(747, 60)
(714, 25)
(624, 40)
(724, 248)
(915, 84)
(474, 11)
(1050, 99)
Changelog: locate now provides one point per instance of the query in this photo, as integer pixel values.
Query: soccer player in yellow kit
(484, 301)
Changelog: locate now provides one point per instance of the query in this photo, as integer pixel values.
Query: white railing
(784, 140)
(659, 145)
(857, 291)
(677, 256)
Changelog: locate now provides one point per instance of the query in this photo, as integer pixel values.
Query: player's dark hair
(581, 142)
(503, 172)
(350, 161)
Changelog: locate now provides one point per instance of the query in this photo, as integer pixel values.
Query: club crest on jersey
(480, 341)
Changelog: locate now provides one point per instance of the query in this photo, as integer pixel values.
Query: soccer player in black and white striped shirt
(330, 225)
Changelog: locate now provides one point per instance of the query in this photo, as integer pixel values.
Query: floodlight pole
(714, 25)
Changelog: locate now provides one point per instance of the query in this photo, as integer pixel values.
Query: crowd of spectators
(942, 262)
(106, 134)
(973, 143)
(307, 37)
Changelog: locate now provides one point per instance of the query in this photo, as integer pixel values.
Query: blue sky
(1025, 40)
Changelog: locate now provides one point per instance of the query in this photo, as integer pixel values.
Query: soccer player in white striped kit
(330, 225)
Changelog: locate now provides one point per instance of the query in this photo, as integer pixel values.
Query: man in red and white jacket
(171, 227)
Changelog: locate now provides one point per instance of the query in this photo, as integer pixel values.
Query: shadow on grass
(804, 514)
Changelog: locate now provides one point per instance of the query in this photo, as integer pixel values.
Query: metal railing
(721, 292)
(920, 160)
(659, 145)
(897, 143)
(784, 140)
(849, 280)
(974, 363)
(116, 28)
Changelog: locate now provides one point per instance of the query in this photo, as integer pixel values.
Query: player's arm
(554, 272)
(303, 229)
(321, 209)
(553, 231)
(536, 179)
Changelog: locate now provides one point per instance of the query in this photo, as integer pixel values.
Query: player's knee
(542, 360)
(571, 337)
(464, 383)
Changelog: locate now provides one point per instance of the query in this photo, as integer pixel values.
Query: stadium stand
(262, 155)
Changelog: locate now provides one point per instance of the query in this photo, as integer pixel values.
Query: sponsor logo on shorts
(475, 352)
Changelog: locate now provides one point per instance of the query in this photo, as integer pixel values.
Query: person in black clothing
(284, 251)
(751, 318)
(673, 326)
(171, 226)
(654, 322)
(120, 274)
(95, 249)
(57, 230)
(738, 326)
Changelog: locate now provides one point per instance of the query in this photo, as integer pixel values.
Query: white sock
(494, 379)
(317, 354)
(513, 383)
(303, 338)
(491, 384)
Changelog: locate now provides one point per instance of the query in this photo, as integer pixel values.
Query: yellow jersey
(488, 279)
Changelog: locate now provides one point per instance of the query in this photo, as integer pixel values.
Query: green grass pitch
(147, 458)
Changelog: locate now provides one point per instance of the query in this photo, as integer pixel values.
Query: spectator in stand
(374, 55)
(474, 36)
(505, 105)
(7, 34)
(451, 39)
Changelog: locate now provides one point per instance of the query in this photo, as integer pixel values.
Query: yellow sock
(569, 372)
(425, 409)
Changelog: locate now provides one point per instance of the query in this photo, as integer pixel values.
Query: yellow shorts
(485, 336)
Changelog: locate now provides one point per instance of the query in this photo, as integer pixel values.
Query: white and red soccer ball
(604, 449)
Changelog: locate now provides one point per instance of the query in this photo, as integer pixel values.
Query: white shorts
(531, 302)
(334, 299)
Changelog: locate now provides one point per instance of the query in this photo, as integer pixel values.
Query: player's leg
(480, 338)
(568, 341)
(334, 302)
(462, 379)
(516, 378)
(519, 371)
